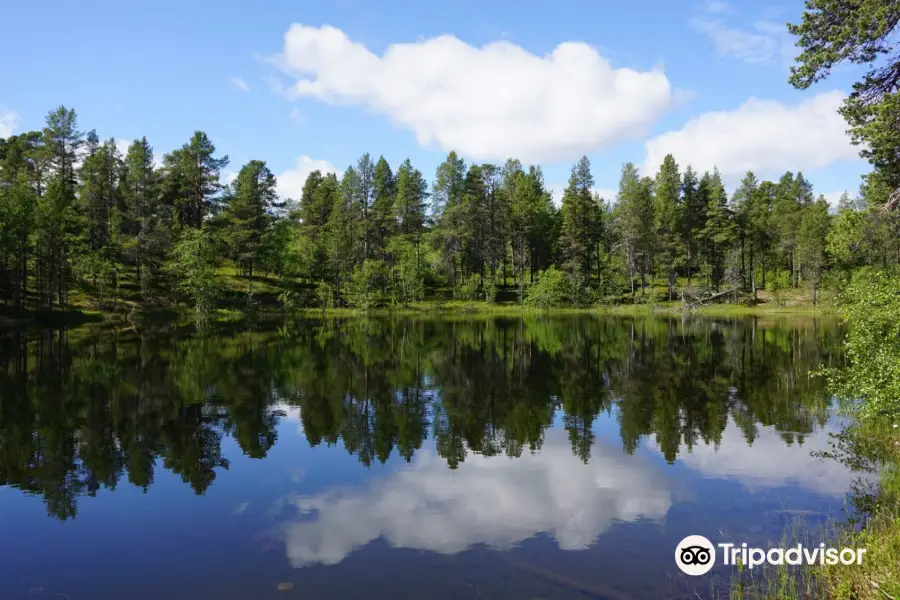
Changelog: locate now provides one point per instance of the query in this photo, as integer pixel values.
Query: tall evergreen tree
(140, 193)
(247, 215)
(192, 184)
(634, 214)
(580, 229)
(718, 232)
(385, 188)
(810, 246)
(447, 210)
(667, 211)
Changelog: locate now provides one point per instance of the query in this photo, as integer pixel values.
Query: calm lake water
(365, 458)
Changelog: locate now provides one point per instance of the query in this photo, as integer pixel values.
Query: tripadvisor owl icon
(695, 555)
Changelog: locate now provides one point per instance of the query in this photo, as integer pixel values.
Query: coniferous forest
(82, 225)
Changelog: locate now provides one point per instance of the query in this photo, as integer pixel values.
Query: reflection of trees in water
(78, 413)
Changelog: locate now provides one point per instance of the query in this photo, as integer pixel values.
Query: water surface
(376, 458)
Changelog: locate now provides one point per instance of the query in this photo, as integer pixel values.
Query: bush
(194, 265)
(325, 295)
(872, 303)
(551, 289)
(490, 291)
(468, 287)
(362, 289)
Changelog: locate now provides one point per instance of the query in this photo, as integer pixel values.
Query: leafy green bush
(325, 295)
(490, 291)
(468, 287)
(194, 264)
(362, 289)
(872, 309)
(407, 275)
(552, 288)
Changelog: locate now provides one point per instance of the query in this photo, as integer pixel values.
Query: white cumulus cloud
(9, 120)
(494, 501)
(290, 182)
(763, 136)
(488, 103)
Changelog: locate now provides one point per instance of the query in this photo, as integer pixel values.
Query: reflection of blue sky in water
(500, 501)
(770, 462)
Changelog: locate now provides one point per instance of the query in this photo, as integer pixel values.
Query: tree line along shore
(83, 226)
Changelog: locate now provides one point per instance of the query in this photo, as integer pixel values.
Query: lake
(520, 458)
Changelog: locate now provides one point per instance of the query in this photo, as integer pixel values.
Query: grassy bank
(240, 295)
(127, 311)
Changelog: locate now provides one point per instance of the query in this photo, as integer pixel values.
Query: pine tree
(495, 219)
(580, 225)
(667, 214)
(383, 223)
(410, 201)
(57, 219)
(247, 215)
(191, 180)
(20, 185)
(140, 194)
(363, 198)
(447, 198)
(718, 232)
(691, 221)
(634, 214)
(810, 247)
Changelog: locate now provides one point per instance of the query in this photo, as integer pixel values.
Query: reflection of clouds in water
(770, 462)
(291, 413)
(493, 501)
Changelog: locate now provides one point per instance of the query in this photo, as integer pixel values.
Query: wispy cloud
(717, 7)
(240, 84)
(297, 116)
(764, 42)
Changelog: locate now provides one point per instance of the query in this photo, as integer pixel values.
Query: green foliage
(407, 272)
(110, 224)
(490, 291)
(325, 295)
(194, 266)
(581, 225)
(668, 211)
(190, 177)
(247, 213)
(552, 289)
(872, 304)
(860, 32)
(362, 288)
(469, 287)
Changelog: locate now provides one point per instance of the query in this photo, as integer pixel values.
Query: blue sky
(304, 84)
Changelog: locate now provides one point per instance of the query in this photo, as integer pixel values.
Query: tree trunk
(752, 275)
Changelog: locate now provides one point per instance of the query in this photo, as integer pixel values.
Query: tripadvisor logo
(696, 555)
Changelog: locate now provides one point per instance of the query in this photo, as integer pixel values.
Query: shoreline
(427, 308)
